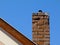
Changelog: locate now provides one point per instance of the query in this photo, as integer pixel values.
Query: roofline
(16, 34)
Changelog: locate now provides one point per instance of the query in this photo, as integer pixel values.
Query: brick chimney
(40, 28)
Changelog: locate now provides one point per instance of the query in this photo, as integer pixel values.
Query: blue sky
(18, 13)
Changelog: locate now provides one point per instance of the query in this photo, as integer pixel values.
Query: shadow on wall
(1, 43)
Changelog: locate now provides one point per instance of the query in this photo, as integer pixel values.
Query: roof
(13, 32)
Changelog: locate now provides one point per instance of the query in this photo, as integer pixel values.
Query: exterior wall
(40, 26)
(5, 39)
(1, 43)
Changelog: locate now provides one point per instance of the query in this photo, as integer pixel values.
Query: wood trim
(12, 31)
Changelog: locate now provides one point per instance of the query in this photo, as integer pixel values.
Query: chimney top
(40, 11)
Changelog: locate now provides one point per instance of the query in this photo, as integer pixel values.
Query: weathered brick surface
(40, 28)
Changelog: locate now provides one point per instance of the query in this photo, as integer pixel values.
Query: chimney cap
(40, 11)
